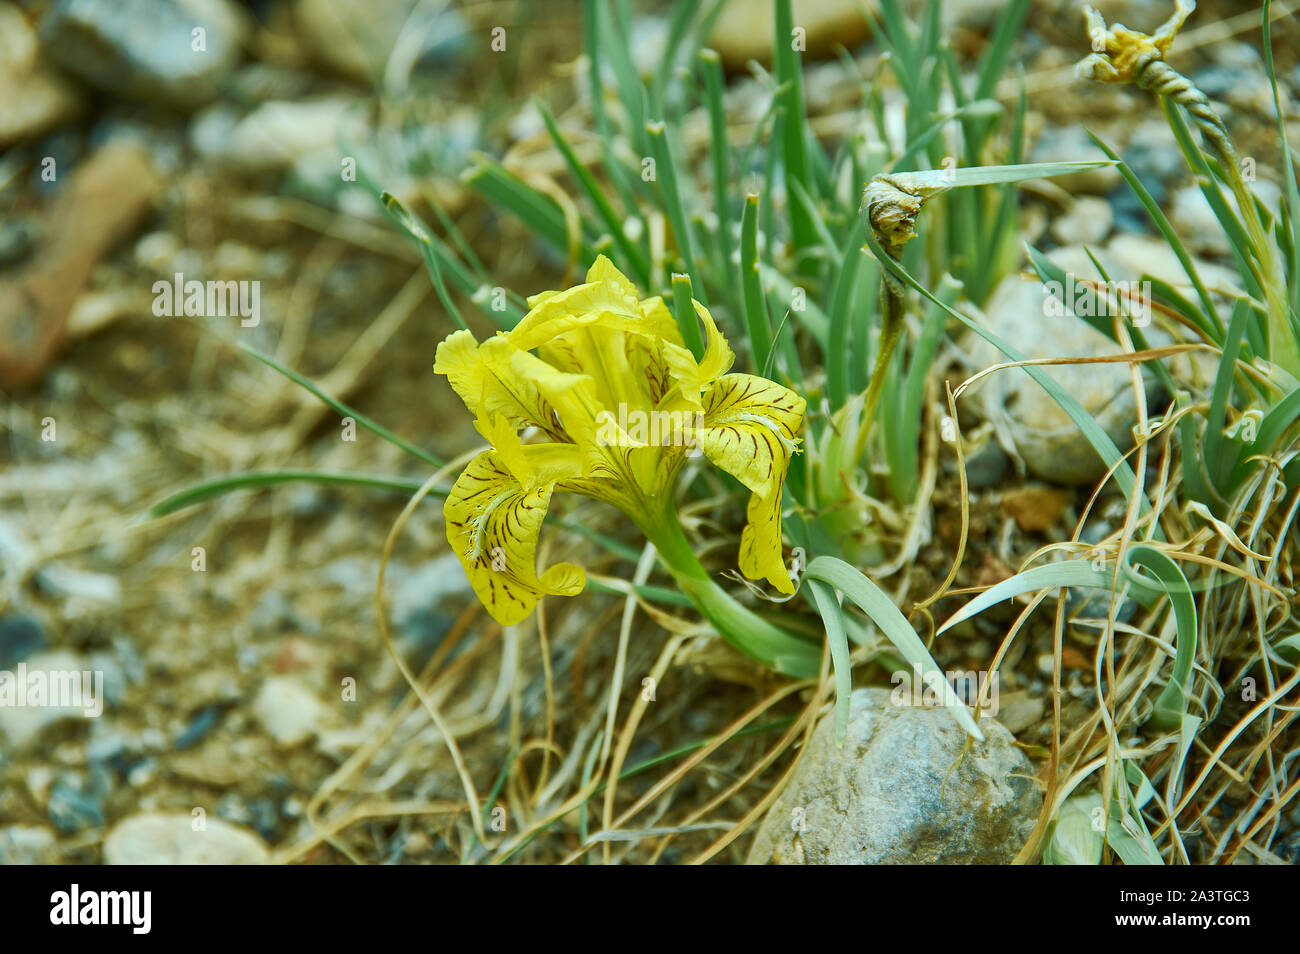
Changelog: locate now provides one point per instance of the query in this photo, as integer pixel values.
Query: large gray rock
(175, 51)
(1029, 424)
(171, 839)
(899, 791)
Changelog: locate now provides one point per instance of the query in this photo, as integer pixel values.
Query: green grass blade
(1129, 837)
(1166, 230)
(935, 181)
(667, 176)
(839, 351)
(1080, 574)
(619, 174)
(655, 594)
(539, 213)
(719, 156)
(983, 108)
(812, 319)
(1166, 294)
(900, 45)
(833, 616)
(756, 319)
(374, 427)
(1288, 166)
(1195, 477)
(256, 480)
(634, 255)
(903, 431)
(1244, 253)
(993, 61)
(684, 310)
(881, 610)
(1276, 421)
(631, 90)
(416, 230)
(1217, 460)
(679, 25)
(1172, 701)
(794, 128)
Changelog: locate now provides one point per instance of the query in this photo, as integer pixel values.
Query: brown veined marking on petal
(492, 588)
(506, 530)
(775, 428)
(534, 415)
(479, 522)
(478, 493)
(654, 368)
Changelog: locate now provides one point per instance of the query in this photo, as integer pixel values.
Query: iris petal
(493, 523)
(750, 430)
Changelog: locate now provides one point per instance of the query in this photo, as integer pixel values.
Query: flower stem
(891, 327)
(737, 624)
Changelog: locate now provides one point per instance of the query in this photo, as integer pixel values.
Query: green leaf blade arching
(873, 601)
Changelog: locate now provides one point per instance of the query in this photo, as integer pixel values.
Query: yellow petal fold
(458, 358)
(750, 430)
(760, 541)
(496, 378)
(602, 329)
(493, 523)
(692, 376)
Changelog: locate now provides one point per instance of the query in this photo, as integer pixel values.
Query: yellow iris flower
(594, 392)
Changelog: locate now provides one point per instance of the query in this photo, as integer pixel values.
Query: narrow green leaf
(832, 615)
(539, 213)
(1274, 425)
(684, 310)
(1292, 210)
(1066, 573)
(839, 351)
(1161, 222)
(415, 228)
(794, 126)
(873, 601)
(1172, 702)
(1218, 461)
(256, 480)
(666, 172)
(635, 256)
(374, 427)
(903, 430)
(719, 155)
(1099, 439)
(756, 319)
